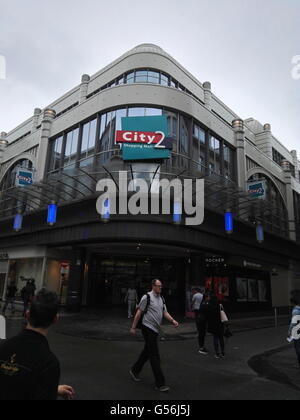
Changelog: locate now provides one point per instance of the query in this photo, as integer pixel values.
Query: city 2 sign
(24, 178)
(144, 138)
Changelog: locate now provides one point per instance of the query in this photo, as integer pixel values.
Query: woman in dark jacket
(215, 326)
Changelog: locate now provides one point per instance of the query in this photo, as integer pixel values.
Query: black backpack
(140, 323)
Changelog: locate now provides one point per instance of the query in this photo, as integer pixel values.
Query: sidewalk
(115, 326)
(257, 350)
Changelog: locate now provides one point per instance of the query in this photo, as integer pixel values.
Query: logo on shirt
(9, 368)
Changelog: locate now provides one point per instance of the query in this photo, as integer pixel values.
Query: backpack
(140, 323)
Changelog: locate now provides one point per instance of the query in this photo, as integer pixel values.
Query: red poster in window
(218, 285)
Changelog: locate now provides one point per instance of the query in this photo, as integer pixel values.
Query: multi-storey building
(61, 153)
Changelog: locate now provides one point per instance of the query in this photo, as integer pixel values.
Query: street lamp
(52, 213)
(260, 236)
(18, 222)
(105, 213)
(229, 222)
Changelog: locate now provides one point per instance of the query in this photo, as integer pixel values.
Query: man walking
(29, 371)
(153, 309)
(295, 323)
(10, 298)
(131, 299)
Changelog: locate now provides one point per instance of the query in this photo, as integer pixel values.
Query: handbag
(227, 332)
(224, 317)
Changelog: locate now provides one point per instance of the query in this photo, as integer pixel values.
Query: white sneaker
(134, 376)
(163, 388)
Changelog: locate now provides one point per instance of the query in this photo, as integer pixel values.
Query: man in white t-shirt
(154, 309)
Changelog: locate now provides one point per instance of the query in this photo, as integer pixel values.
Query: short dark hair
(43, 309)
(154, 281)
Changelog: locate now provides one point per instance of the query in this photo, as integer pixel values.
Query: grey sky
(244, 47)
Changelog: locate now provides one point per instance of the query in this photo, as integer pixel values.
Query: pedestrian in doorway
(32, 288)
(10, 297)
(216, 326)
(294, 332)
(131, 298)
(153, 308)
(29, 371)
(199, 306)
(26, 296)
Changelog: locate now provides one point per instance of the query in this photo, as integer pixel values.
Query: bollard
(2, 328)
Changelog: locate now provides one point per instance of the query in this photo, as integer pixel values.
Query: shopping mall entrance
(110, 277)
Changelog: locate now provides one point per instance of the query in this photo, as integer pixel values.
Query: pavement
(96, 351)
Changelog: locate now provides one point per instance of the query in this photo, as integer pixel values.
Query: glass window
(105, 131)
(228, 162)
(153, 112)
(116, 122)
(71, 147)
(174, 84)
(184, 136)
(141, 76)
(56, 154)
(164, 80)
(214, 155)
(88, 138)
(149, 172)
(136, 112)
(120, 80)
(130, 78)
(153, 77)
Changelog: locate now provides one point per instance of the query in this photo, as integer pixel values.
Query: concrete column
(207, 94)
(76, 277)
(295, 163)
(3, 145)
(35, 121)
(48, 117)
(238, 128)
(290, 198)
(84, 87)
(264, 140)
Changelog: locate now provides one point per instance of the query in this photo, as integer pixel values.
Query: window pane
(201, 135)
(153, 77)
(164, 80)
(57, 153)
(136, 112)
(105, 132)
(153, 112)
(130, 78)
(85, 137)
(92, 136)
(141, 76)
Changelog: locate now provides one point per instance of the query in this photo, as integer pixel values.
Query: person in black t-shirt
(28, 368)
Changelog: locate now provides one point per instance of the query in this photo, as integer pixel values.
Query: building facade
(59, 155)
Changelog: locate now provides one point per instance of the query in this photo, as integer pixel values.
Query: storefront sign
(252, 265)
(144, 138)
(257, 189)
(24, 178)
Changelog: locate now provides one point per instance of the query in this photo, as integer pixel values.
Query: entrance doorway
(109, 279)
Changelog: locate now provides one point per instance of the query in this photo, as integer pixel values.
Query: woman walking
(216, 326)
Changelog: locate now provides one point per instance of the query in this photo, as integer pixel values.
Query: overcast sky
(243, 47)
